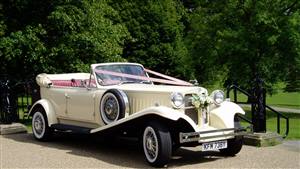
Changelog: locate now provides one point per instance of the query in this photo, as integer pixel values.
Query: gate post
(259, 106)
(8, 111)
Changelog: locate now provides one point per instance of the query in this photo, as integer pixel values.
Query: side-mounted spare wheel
(113, 105)
(157, 144)
(40, 129)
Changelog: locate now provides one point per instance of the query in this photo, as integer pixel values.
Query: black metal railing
(16, 99)
(280, 115)
(235, 100)
(27, 95)
(255, 100)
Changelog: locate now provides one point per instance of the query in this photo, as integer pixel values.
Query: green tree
(157, 31)
(244, 38)
(61, 36)
(22, 53)
(293, 33)
(82, 33)
(2, 25)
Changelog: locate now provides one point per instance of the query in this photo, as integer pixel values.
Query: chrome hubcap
(109, 108)
(38, 124)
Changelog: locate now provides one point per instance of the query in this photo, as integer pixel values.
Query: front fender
(49, 110)
(170, 114)
(223, 115)
(164, 112)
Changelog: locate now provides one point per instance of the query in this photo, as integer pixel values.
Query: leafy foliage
(73, 35)
(213, 41)
(244, 39)
(83, 33)
(157, 33)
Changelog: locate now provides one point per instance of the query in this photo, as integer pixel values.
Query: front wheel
(157, 144)
(234, 146)
(40, 129)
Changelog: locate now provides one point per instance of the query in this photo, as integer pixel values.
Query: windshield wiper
(143, 82)
(146, 82)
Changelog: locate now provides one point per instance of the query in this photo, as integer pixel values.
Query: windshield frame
(98, 79)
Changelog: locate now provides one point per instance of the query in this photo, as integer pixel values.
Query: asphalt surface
(83, 151)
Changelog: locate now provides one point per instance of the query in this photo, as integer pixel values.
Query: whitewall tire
(114, 105)
(40, 128)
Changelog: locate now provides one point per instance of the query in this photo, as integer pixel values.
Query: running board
(75, 129)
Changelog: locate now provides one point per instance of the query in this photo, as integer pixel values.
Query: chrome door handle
(67, 96)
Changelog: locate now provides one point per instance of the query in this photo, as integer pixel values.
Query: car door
(57, 96)
(81, 104)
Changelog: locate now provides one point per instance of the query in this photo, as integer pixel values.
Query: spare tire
(114, 105)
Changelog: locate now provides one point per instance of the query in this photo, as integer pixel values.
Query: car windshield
(105, 74)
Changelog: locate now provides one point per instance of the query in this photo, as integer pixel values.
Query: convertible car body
(164, 112)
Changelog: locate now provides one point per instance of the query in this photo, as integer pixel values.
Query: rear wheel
(157, 144)
(40, 129)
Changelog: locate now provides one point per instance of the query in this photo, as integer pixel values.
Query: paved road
(79, 151)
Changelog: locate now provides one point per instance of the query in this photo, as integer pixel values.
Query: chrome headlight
(218, 96)
(177, 99)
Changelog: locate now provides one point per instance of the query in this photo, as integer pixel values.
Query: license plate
(217, 145)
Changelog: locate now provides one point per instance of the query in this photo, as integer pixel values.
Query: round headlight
(218, 96)
(177, 99)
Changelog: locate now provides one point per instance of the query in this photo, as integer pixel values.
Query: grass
(294, 122)
(280, 99)
(28, 124)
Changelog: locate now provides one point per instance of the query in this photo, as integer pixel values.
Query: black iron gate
(16, 99)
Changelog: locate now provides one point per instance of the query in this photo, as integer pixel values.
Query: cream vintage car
(165, 112)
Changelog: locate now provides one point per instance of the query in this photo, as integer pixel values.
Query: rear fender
(49, 110)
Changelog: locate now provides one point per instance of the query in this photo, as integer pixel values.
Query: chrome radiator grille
(190, 109)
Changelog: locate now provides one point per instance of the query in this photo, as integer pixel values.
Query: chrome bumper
(199, 136)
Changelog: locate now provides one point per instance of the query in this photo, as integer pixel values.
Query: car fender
(222, 116)
(162, 111)
(49, 110)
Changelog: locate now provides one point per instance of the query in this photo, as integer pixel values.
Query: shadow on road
(123, 152)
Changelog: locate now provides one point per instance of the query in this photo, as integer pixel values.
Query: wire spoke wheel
(38, 125)
(150, 144)
(40, 129)
(110, 108)
(157, 144)
(113, 105)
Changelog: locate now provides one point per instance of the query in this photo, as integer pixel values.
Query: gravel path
(82, 151)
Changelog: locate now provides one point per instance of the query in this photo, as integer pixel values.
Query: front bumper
(204, 136)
